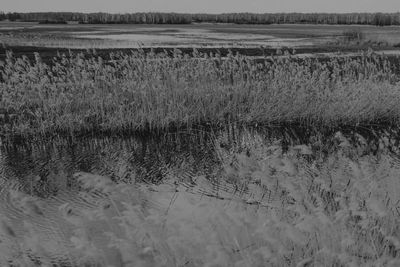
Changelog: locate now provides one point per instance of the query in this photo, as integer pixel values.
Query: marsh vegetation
(159, 156)
(146, 92)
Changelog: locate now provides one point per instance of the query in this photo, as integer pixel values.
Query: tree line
(380, 19)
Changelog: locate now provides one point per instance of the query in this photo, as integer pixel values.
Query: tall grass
(141, 91)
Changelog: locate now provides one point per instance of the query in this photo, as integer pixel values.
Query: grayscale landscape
(237, 138)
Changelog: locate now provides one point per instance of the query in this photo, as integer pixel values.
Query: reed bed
(146, 91)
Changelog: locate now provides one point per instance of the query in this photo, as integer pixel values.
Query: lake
(193, 35)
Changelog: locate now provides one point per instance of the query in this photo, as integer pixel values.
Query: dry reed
(141, 91)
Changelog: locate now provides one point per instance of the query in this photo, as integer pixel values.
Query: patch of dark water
(44, 168)
(48, 53)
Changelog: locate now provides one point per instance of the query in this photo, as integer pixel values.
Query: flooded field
(194, 35)
(242, 197)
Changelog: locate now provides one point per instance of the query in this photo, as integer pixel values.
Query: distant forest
(380, 19)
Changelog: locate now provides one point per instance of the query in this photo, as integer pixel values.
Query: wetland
(199, 145)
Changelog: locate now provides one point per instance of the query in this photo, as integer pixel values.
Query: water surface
(190, 176)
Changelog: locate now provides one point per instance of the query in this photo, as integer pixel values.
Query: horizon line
(208, 13)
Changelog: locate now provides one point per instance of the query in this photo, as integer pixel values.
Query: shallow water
(216, 170)
(45, 167)
(196, 35)
(192, 37)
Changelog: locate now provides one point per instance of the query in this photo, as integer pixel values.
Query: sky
(201, 6)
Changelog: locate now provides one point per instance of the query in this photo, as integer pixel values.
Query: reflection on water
(202, 179)
(44, 168)
(48, 167)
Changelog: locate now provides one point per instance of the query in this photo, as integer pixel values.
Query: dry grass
(154, 92)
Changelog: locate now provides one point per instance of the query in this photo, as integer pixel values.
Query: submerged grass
(270, 208)
(147, 91)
